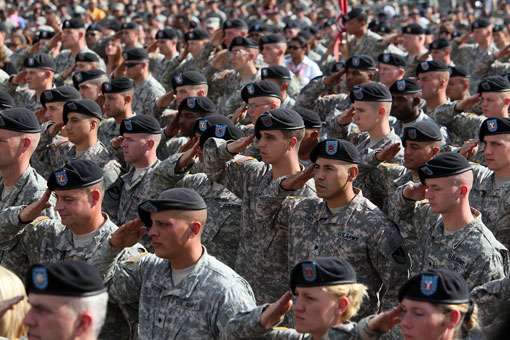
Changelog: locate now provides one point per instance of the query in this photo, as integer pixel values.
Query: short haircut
(95, 305)
(355, 292)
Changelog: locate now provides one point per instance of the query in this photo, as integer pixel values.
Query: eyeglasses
(294, 47)
(129, 65)
(253, 106)
(237, 53)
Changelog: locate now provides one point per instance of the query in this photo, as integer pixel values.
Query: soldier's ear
(352, 173)
(284, 87)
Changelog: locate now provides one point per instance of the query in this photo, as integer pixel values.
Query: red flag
(343, 10)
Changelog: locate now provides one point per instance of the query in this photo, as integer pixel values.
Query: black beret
(129, 25)
(498, 28)
(59, 94)
(264, 88)
(458, 71)
(311, 29)
(444, 165)
(78, 173)
(413, 29)
(275, 72)
(19, 119)
(226, 132)
(118, 85)
(431, 66)
(197, 34)
(113, 24)
(360, 62)
(480, 23)
(381, 28)
(311, 118)
(94, 27)
(172, 199)
(167, 33)
(306, 35)
(339, 149)
(188, 78)
(439, 44)
(328, 23)
(323, 271)
(46, 35)
(436, 286)
(274, 38)
(494, 126)
(337, 67)
(279, 119)
(41, 61)
(65, 278)
(84, 106)
(73, 23)
(354, 13)
(370, 92)
(243, 42)
(292, 24)
(405, 86)
(5, 100)
(392, 59)
(140, 124)
(202, 124)
(81, 77)
(422, 131)
(87, 57)
(135, 53)
(203, 105)
(235, 23)
(260, 28)
(494, 84)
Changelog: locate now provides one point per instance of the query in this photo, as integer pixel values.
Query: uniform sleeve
(310, 93)
(217, 81)
(11, 230)
(164, 176)
(405, 213)
(51, 152)
(491, 298)
(464, 125)
(238, 297)
(488, 267)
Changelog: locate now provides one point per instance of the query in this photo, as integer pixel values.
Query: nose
(428, 194)
(29, 319)
(406, 322)
(299, 305)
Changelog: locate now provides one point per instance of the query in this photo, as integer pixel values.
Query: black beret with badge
(337, 66)
(118, 85)
(129, 25)
(260, 28)
(278, 119)
(94, 27)
(263, 88)
(370, 92)
(19, 119)
(404, 86)
(59, 94)
(73, 23)
(243, 42)
(140, 124)
(78, 173)
(413, 29)
(323, 271)
(360, 62)
(392, 59)
(81, 77)
(188, 78)
(494, 84)
(202, 105)
(422, 131)
(44, 35)
(292, 24)
(444, 165)
(480, 23)
(431, 66)
(311, 118)
(135, 54)
(41, 61)
(235, 23)
(85, 107)
(354, 13)
(202, 124)
(5, 100)
(338, 149)
(439, 44)
(197, 34)
(458, 71)
(88, 57)
(171, 199)
(223, 131)
(498, 28)
(494, 126)
(436, 286)
(275, 72)
(65, 278)
(272, 39)
(167, 33)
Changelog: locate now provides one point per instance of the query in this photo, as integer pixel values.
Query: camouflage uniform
(196, 308)
(170, 145)
(492, 300)
(65, 59)
(398, 126)
(359, 233)
(23, 97)
(107, 131)
(472, 251)
(246, 325)
(263, 245)
(146, 95)
(223, 226)
(370, 43)
(160, 67)
(288, 103)
(47, 240)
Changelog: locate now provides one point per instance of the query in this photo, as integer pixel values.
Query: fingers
(284, 303)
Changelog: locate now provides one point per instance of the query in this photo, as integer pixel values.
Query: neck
(76, 48)
(148, 160)
(88, 225)
(141, 77)
(380, 131)
(435, 101)
(12, 173)
(286, 166)
(501, 114)
(247, 72)
(503, 172)
(361, 32)
(418, 51)
(412, 117)
(170, 55)
(39, 90)
(187, 258)
(343, 198)
(484, 44)
(298, 60)
(459, 218)
(130, 45)
(278, 61)
(86, 143)
(128, 113)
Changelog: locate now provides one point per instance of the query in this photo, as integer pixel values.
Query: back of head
(11, 325)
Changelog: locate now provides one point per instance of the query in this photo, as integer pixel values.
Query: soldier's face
(497, 153)
(184, 92)
(82, 66)
(403, 106)
(54, 111)
(441, 55)
(70, 36)
(129, 37)
(388, 74)
(430, 84)
(11, 144)
(422, 321)
(355, 77)
(186, 120)
(271, 52)
(417, 154)
(239, 57)
(257, 106)
(412, 42)
(135, 147)
(442, 194)
(165, 45)
(194, 46)
(455, 88)
(74, 206)
(480, 35)
(273, 146)
(89, 90)
(35, 78)
(231, 33)
(50, 318)
(493, 105)
(366, 115)
(78, 127)
(332, 178)
(114, 104)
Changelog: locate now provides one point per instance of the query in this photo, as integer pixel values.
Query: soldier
(168, 59)
(446, 232)
(38, 74)
(458, 85)
(147, 88)
(183, 292)
(234, 28)
(84, 61)
(81, 119)
(392, 68)
(312, 136)
(80, 233)
(280, 75)
(130, 35)
(93, 33)
(433, 78)
(440, 50)
(340, 221)
(279, 133)
(413, 40)
(89, 83)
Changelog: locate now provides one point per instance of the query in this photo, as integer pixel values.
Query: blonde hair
(470, 322)
(11, 324)
(355, 292)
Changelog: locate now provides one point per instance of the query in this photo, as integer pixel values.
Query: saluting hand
(467, 103)
(334, 79)
(240, 145)
(415, 191)
(275, 312)
(346, 117)
(166, 100)
(469, 148)
(8, 304)
(297, 180)
(388, 152)
(128, 234)
(34, 210)
(386, 321)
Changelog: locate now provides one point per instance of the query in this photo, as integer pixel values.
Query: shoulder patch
(60, 141)
(295, 197)
(243, 159)
(471, 114)
(222, 75)
(136, 257)
(329, 95)
(385, 164)
(39, 219)
(104, 119)
(473, 163)
(356, 131)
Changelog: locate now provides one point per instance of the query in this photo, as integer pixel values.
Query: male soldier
(446, 232)
(80, 233)
(358, 70)
(221, 237)
(312, 136)
(164, 64)
(38, 74)
(440, 50)
(81, 119)
(413, 40)
(93, 33)
(281, 76)
(89, 83)
(183, 292)
(234, 28)
(84, 61)
(433, 78)
(458, 85)
(279, 133)
(130, 35)
(68, 300)
(392, 67)
(339, 222)
(147, 88)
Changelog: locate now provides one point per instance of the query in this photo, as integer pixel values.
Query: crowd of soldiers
(196, 153)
